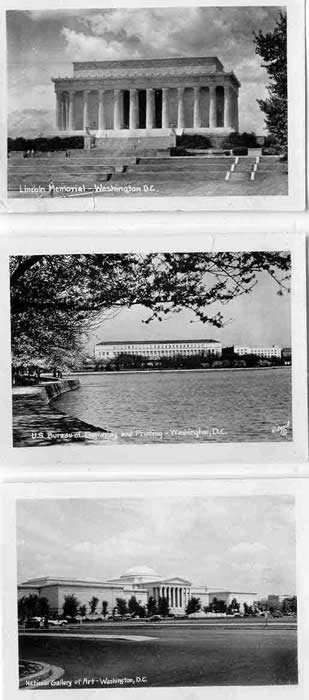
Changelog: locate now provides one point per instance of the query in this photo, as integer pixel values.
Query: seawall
(37, 422)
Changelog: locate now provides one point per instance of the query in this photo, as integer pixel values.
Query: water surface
(172, 407)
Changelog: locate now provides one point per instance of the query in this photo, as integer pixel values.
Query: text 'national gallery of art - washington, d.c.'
(139, 581)
(148, 99)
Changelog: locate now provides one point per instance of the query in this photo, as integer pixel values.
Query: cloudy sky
(234, 542)
(42, 44)
(259, 318)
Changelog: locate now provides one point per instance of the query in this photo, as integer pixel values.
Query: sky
(236, 543)
(259, 318)
(43, 44)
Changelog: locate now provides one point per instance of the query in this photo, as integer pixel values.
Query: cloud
(243, 548)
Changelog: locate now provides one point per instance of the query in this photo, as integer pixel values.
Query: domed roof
(140, 571)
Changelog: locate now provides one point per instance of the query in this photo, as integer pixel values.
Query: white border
(295, 200)
(158, 459)
(208, 488)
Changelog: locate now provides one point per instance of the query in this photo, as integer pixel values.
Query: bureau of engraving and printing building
(139, 581)
(147, 98)
(156, 349)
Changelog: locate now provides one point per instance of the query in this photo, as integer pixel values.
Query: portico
(153, 97)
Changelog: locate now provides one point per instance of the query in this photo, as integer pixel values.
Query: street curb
(47, 672)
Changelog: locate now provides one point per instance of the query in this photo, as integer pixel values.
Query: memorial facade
(139, 581)
(148, 98)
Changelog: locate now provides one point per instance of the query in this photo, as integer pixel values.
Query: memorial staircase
(85, 169)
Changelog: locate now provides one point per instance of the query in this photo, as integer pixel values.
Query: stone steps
(175, 167)
(188, 160)
(73, 171)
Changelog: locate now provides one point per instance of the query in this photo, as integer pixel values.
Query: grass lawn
(173, 657)
(274, 184)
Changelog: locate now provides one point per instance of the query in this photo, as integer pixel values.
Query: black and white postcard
(190, 349)
(145, 108)
(149, 585)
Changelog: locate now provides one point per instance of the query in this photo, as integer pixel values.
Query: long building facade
(261, 351)
(156, 349)
(140, 581)
(148, 97)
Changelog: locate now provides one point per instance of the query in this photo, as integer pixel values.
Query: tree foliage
(56, 300)
(272, 47)
(152, 608)
(33, 606)
(70, 606)
(121, 605)
(163, 606)
(93, 604)
(194, 605)
(104, 607)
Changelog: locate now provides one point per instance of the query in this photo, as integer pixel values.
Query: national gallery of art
(153, 98)
(139, 581)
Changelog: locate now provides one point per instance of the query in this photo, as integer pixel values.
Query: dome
(141, 572)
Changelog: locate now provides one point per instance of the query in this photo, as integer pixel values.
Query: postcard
(132, 108)
(117, 586)
(198, 349)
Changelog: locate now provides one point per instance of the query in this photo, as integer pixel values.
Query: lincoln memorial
(153, 98)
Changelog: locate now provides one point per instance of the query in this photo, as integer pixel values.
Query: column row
(65, 109)
(177, 596)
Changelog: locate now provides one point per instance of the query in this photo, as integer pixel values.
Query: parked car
(57, 623)
(154, 618)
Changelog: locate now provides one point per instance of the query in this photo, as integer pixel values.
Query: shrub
(240, 151)
(193, 141)
(242, 140)
(45, 144)
(271, 151)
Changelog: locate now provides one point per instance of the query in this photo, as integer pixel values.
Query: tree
(70, 606)
(121, 605)
(104, 607)
(33, 606)
(163, 606)
(93, 604)
(152, 606)
(82, 610)
(194, 605)
(133, 605)
(272, 47)
(57, 300)
(233, 606)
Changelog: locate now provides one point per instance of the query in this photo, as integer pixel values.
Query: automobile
(154, 618)
(180, 616)
(276, 613)
(57, 623)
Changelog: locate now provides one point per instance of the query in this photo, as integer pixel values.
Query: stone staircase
(253, 168)
(84, 169)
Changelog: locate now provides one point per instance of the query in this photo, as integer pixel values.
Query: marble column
(176, 597)
(133, 109)
(165, 120)
(212, 107)
(180, 597)
(85, 110)
(236, 112)
(58, 111)
(63, 112)
(227, 107)
(180, 114)
(149, 108)
(117, 110)
(172, 596)
(101, 112)
(196, 109)
(71, 110)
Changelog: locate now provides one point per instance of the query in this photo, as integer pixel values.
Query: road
(168, 655)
